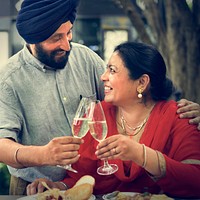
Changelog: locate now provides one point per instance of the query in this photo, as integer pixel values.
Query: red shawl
(165, 132)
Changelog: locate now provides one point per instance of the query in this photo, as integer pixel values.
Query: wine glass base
(107, 170)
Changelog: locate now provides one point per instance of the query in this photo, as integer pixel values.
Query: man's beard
(50, 59)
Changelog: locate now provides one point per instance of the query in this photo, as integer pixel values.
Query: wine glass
(83, 115)
(80, 123)
(98, 129)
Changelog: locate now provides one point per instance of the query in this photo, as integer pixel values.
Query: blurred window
(4, 46)
(88, 32)
(111, 39)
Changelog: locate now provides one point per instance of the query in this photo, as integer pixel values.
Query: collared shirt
(38, 104)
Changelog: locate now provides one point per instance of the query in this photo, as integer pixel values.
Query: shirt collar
(29, 58)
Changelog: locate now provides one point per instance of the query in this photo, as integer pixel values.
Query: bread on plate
(82, 190)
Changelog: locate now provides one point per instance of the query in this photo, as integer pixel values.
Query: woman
(155, 150)
(169, 161)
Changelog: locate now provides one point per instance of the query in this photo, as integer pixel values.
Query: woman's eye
(112, 70)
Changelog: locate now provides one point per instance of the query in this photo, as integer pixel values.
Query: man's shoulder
(82, 49)
(85, 53)
(78, 46)
(13, 63)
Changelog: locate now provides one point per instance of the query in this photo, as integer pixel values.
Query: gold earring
(139, 93)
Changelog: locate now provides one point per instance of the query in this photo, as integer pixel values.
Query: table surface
(14, 197)
(9, 197)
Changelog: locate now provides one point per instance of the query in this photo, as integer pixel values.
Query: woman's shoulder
(167, 106)
(166, 111)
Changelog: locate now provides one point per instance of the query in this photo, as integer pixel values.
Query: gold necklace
(138, 128)
(125, 124)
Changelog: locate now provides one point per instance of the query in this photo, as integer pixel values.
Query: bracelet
(161, 163)
(145, 156)
(66, 186)
(15, 157)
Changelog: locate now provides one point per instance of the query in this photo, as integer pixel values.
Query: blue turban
(39, 19)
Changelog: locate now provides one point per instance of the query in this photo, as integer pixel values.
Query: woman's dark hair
(139, 59)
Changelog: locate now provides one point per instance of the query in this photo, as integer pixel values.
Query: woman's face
(118, 86)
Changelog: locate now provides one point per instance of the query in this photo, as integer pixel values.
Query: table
(14, 197)
(9, 197)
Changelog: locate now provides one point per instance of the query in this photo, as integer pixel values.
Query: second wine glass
(80, 123)
(98, 129)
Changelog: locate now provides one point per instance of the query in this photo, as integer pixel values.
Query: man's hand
(189, 109)
(61, 151)
(37, 186)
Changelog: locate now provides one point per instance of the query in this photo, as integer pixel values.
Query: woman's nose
(104, 76)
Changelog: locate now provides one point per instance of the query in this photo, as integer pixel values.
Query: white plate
(132, 194)
(34, 197)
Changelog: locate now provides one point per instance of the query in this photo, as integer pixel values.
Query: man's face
(55, 59)
(54, 52)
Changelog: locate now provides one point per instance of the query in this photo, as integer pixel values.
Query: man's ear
(31, 48)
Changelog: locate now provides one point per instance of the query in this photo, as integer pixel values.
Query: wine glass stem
(106, 164)
(68, 167)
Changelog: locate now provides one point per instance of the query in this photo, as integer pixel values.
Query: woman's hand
(61, 151)
(118, 147)
(37, 186)
(189, 109)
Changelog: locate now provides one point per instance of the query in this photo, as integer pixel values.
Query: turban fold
(39, 19)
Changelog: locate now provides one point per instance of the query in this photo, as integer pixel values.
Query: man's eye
(69, 32)
(56, 38)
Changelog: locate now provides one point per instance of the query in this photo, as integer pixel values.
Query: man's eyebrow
(56, 34)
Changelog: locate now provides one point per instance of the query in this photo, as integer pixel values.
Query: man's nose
(65, 43)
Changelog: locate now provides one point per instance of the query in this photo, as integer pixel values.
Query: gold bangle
(161, 163)
(66, 186)
(145, 156)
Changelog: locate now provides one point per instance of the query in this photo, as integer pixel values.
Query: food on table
(53, 194)
(143, 196)
(85, 179)
(82, 190)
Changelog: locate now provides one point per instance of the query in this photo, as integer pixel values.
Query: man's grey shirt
(38, 104)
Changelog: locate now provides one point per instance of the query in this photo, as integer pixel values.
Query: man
(40, 89)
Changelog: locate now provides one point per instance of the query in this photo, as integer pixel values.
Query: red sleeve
(180, 143)
(87, 158)
(182, 157)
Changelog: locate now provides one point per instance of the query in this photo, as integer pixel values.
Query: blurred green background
(4, 179)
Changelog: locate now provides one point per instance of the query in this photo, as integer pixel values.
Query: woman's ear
(144, 81)
(143, 84)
